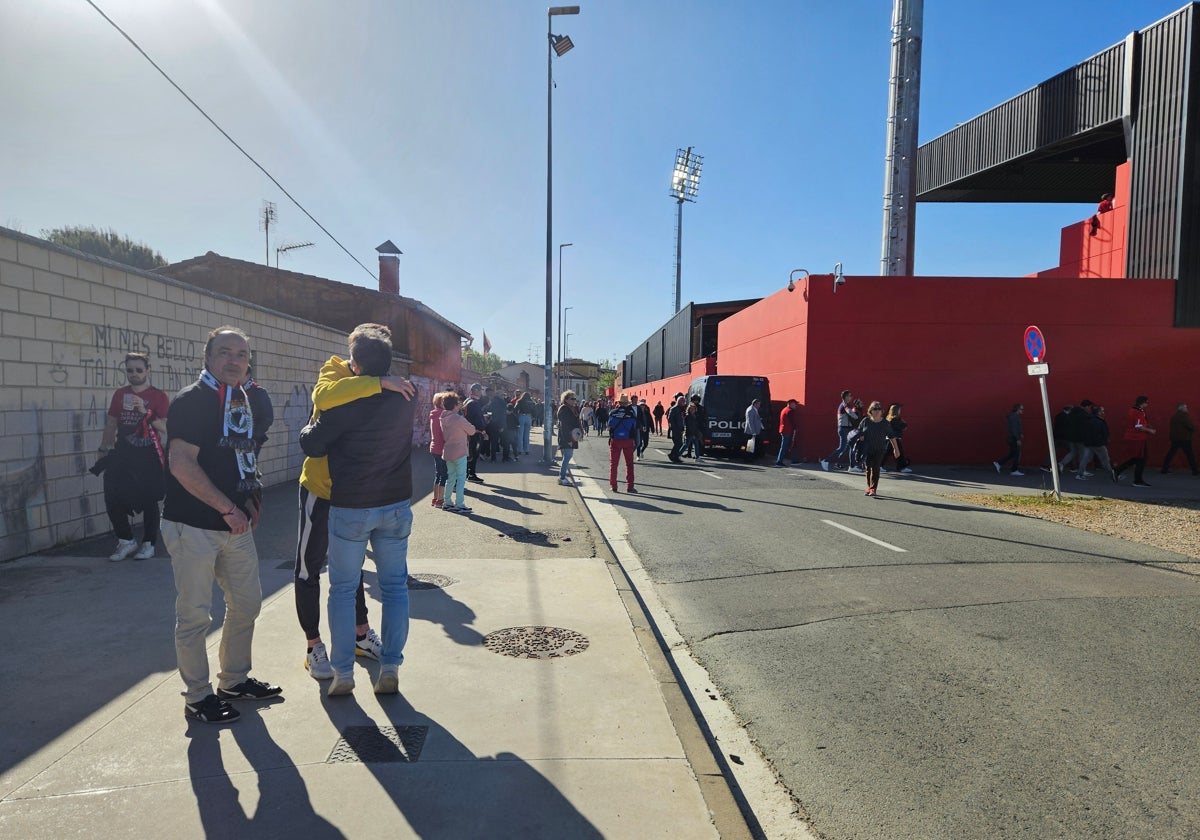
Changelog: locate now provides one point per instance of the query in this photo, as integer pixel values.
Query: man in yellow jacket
(336, 385)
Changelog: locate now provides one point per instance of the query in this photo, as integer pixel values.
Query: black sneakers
(251, 689)
(211, 709)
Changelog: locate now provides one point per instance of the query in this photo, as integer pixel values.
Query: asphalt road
(915, 667)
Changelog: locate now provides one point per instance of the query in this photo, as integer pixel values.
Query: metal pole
(547, 453)
(678, 252)
(1050, 437)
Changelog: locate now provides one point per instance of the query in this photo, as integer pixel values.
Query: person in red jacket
(1137, 435)
(789, 424)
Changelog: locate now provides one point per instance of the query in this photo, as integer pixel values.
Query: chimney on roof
(389, 268)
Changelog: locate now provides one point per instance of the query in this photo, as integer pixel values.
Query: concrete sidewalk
(595, 742)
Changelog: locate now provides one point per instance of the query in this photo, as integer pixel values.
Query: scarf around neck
(237, 428)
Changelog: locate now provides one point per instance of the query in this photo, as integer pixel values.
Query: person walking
(457, 432)
(623, 431)
(788, 424)
(1137, 443)
(601, 412)
(1015, 437)
(899, 424)
(437, 448)
(645, 425)
(675, 427)
(753, 427)
(877, 436)
(1076, 419)
(1095, 442)
(658, 412)
(370, 464)
(1181, 429)
(569, 434)
(847, 420)
(133, 458)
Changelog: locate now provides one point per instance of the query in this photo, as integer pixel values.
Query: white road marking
(864, 536)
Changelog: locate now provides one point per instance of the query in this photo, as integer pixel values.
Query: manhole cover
(424, 581)
(535, 642)
(379, 744)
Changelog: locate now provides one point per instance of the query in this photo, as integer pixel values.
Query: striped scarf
(237, 429)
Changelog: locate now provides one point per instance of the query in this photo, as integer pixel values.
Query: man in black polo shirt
(212, 505)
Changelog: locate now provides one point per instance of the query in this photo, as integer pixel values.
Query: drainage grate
(424, 581)
(536, 642)
(379, 744)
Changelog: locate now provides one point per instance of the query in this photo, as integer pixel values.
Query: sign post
(1035, 349)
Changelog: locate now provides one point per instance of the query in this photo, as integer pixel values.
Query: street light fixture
(560, 299)
(559, 44)
(685, 183)
(562, 359)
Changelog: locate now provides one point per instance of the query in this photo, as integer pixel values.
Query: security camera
(839, 279)
(791, 286)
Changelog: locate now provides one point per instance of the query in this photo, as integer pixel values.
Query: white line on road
(864, 536)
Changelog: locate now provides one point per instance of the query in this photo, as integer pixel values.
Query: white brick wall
(66, 322)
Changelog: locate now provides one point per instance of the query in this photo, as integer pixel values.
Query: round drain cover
(536, 642)
(429, 581)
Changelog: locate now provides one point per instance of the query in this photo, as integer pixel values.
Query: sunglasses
(135, 370)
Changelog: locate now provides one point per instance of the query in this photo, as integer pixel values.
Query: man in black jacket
(369, 446)
(473, 411)
(675, 428)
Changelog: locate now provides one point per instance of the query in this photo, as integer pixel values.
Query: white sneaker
(341, 685)
(146, 552)
(566, 482)
(906, 470)
(825, 466)
(371, 646)
(124, 549)
(317, 662)
(855, 469)
(389, 680)
(1017, 473)
(996, 464)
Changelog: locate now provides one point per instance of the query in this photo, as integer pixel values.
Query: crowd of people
(356, 486)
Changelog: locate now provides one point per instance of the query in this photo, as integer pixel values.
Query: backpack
(621, 425)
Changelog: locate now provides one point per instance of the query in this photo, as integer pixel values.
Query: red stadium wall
(950, 349)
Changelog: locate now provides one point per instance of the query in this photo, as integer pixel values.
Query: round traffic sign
(1035, 345)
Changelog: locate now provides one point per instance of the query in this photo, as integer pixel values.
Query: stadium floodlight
(685, 183)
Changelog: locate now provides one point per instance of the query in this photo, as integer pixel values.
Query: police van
(725, 400)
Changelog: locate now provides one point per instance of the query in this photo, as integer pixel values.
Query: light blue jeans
(387, 528)
(524, 424)
(456, 481)
(565, 452)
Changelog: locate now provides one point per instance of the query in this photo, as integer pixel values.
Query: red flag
(487, 345)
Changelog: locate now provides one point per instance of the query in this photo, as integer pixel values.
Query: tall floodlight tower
(685, 183)
(900, 174)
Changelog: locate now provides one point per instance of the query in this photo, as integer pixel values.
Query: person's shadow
(284, 808)
(462, 795)
(435, 605)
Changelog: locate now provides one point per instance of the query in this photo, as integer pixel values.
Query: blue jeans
(785, 446)
(387, 528)
(566, 453)
(843, 445)
(456, 481)
(524, 424)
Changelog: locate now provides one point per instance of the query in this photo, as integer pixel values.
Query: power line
(248, 156)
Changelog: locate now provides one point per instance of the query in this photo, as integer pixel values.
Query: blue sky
(425, 123)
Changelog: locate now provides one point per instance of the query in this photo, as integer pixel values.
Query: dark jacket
(1012, 425)
(1075, 422)
(1095, 431)
(568, 419)
(1181, 429)
(675, 419)
(473, 411)
(369, 444)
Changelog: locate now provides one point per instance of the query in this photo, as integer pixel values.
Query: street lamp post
(562, 359)
(560, 300)
(555, 44)
(685, 183)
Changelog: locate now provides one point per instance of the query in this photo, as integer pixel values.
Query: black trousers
(134, 482)
(472, 454)
(1184, 446)
(676, 443)
(311, 549)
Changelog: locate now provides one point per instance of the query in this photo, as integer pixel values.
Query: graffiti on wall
(23, 483)
(296, 412)
(175, 361)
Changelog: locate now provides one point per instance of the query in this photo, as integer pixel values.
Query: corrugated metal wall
(1085, 97)
(666, 353)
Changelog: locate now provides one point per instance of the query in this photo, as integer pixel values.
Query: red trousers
(615, 449)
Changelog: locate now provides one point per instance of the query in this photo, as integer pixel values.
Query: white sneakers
(146, 552)
(124, 549)
(317, 662)
(825, 465)
(389, 680)
(341, 685)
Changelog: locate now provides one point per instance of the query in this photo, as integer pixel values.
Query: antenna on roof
(264, 224)
(291, 247)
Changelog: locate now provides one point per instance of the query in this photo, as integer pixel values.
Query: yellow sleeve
(337, 385)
